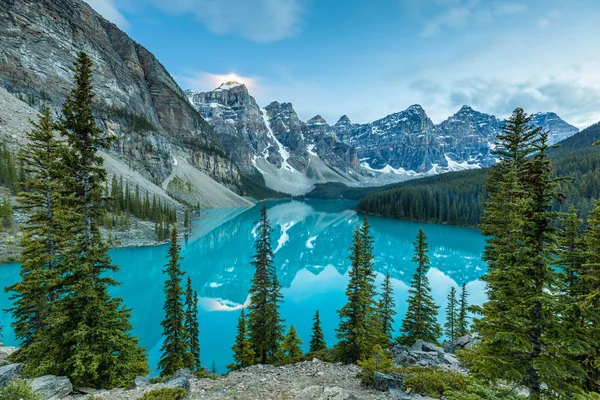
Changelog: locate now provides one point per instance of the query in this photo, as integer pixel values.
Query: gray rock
(421, 345)
(140, 382)
(180, 379)
(463, 342)
(6, 351)
(386, 382)
(137, 100)
(52, 387)
(10, 372)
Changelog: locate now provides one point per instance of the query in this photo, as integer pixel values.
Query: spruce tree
(452, 315)
(462, 324)
(191, 326)
(386, 309)
(588, 303)
(34, 297)
(243, 355)
(317, 339)
(420, 321)
(290, 347)
(520, 325)
(359, 331)
(175, 347)
(264, 322)
(91, 329)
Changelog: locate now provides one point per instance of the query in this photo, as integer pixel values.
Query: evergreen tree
(386, 309)
(588, 303)
(317, 339)
(34, 297)
(359, 331)
(420, 321)
(263, 318)
(291, 345)
(462, 324)
(175, 346)
(519, 327)
(191, 326)
(243, 355)
(452, 315)
(91, 329)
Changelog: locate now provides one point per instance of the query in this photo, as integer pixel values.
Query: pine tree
(588, 303)
(317, 339)
(420, 321)
(191, 326)
(519, 326)
(34, 297)
(452, 315)
(359, 331)
(264, 321)
(91, 329)
(291, 346)
(213, 368)
(462, 324)
(243, 355)
(386, 309)
(175, 346)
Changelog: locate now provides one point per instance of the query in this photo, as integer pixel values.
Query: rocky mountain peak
(232, 85)
(316, 120)
(344, 120)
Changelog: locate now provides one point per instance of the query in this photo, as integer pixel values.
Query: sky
(368, 59)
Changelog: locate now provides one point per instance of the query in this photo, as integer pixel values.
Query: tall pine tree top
(420, 321)
(175, 346)
(317, 339)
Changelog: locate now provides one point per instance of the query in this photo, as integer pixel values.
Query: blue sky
(368, 59)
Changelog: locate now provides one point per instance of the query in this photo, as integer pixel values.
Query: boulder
(10, 372)
(51, 387)
(386, 382)
(463, 342)
(180, 379)
(427, 347)
(6, 351)
(140, 382)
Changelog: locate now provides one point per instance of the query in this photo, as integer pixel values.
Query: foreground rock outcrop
(308, 380)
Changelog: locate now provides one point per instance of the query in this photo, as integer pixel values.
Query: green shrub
(481, 391)
(434, 382)
(204, 374)
(379, 361)
(325, 355)
(18, 389)
(158, 379)
(165, 394)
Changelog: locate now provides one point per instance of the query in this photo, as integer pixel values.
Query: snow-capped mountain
(290, 155)
(408, 143)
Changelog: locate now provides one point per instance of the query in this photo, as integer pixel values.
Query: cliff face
(273, 142)
(136, 98)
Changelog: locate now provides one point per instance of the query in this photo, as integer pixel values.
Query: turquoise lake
(311, 241)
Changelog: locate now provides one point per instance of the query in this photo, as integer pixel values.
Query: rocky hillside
(408, 143)
(136, 98)
(290, 155)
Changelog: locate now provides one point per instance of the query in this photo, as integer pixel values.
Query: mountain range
(183, 142)
(292, 155)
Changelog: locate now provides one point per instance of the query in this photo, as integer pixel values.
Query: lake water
(311, 241)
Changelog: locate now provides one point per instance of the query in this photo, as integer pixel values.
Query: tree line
(457, 197)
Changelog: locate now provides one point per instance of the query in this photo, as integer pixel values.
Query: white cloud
(205, 81)
(575, 101)
(460, 13)
(256, 20)
(108, 9)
